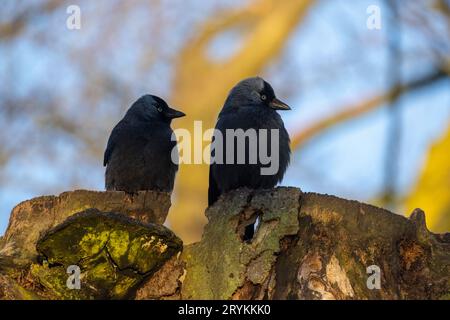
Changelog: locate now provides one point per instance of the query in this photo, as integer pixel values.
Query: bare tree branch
(14, 27)
(352, 112)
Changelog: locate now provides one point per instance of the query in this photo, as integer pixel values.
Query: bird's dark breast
(141, 160)
(232, 176)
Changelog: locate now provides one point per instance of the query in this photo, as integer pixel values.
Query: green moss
(100, 271)
(26, 294)
(55, 281)
(91, 243)
(217, 265)
(122, 287)
(134, 248)
(445, 297)
(118, 244)
(114, 254)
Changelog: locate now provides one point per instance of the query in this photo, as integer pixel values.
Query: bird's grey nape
(147, 100)
(246, 92)
(143, 107)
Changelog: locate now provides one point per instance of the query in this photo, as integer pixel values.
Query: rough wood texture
(305, 246)
(312, 246)
(32, 218)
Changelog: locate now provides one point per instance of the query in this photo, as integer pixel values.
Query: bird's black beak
(172, 113)
(278, 105)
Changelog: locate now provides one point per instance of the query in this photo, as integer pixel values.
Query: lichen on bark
(30, 219)
(222, 262)
(113, 252)
(258, 244)
(312, 246)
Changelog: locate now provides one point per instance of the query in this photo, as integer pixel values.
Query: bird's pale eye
(159, 109)
(263, 97)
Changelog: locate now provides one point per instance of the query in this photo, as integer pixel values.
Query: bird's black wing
(112, 142)
(213, 190)
(225, 120)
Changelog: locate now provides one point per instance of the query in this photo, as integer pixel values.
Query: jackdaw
(251, 104)
(138, 154)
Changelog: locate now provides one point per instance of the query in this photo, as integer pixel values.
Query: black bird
(138, 154)
(250, 104)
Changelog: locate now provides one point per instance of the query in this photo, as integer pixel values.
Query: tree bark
(266, 244)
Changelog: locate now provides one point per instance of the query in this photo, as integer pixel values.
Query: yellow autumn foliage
(432, 191)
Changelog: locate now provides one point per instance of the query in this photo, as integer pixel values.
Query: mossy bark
(267, 244)
(312, 246)
(30, 219)
(113, 252)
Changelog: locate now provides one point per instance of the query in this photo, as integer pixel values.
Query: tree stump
(266, 244)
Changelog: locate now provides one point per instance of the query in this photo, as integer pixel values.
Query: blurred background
(371, 106)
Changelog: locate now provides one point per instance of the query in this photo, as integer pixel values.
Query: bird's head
(254, 92)
(152, 107)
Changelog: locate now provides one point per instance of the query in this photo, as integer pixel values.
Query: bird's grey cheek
(255, 96)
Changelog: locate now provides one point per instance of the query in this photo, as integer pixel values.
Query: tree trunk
(268, 244)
